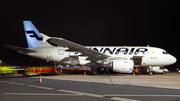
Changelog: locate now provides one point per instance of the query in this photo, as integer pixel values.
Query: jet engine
(120, 66)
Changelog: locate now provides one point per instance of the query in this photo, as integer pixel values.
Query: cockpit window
(164, 52)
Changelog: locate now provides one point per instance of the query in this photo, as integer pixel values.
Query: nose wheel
(151, 73)
(150, 70)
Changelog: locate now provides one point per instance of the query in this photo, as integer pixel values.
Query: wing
(92, 55)
(20, 49)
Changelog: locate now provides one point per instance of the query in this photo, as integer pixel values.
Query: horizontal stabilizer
(20, 49)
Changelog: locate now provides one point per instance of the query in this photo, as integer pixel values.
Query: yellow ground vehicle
(7, 70)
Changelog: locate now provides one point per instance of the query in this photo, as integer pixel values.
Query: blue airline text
(124, 51)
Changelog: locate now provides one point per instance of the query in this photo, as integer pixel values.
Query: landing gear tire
(163, 72)
(95, 72)
(151, 73)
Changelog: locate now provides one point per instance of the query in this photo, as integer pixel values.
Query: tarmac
(169, 80)
(79, 87)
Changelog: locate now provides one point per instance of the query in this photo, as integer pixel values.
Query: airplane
(121, 59)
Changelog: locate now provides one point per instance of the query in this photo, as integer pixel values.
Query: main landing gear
(94, 71)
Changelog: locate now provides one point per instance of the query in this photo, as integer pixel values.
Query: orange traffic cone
(84, 73)
(15, 73)
(40, 80)
(133, 74)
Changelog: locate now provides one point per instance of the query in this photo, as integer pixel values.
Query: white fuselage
(142, 56)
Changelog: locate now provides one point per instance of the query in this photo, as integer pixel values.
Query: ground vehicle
(40, 70)
(7, 70)
(159, 70)
(178, 71)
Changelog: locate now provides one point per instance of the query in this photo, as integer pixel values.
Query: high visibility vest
(136, 70)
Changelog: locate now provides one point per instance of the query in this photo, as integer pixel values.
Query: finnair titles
(125, 51)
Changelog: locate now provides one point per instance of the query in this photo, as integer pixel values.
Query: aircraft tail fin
(34, 38)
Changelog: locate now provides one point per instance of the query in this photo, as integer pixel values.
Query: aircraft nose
(173, 59)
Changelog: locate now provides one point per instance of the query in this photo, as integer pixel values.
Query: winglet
(45, 37)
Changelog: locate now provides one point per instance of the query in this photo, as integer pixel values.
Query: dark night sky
(93, 23)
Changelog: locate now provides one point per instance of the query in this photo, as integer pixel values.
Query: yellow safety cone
(40, 80)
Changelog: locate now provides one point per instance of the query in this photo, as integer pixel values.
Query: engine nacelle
(121, 66)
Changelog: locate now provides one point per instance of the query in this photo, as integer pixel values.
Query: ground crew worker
(136, 71)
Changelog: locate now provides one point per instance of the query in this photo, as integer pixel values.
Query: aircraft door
(153, 53)
(49, 52)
